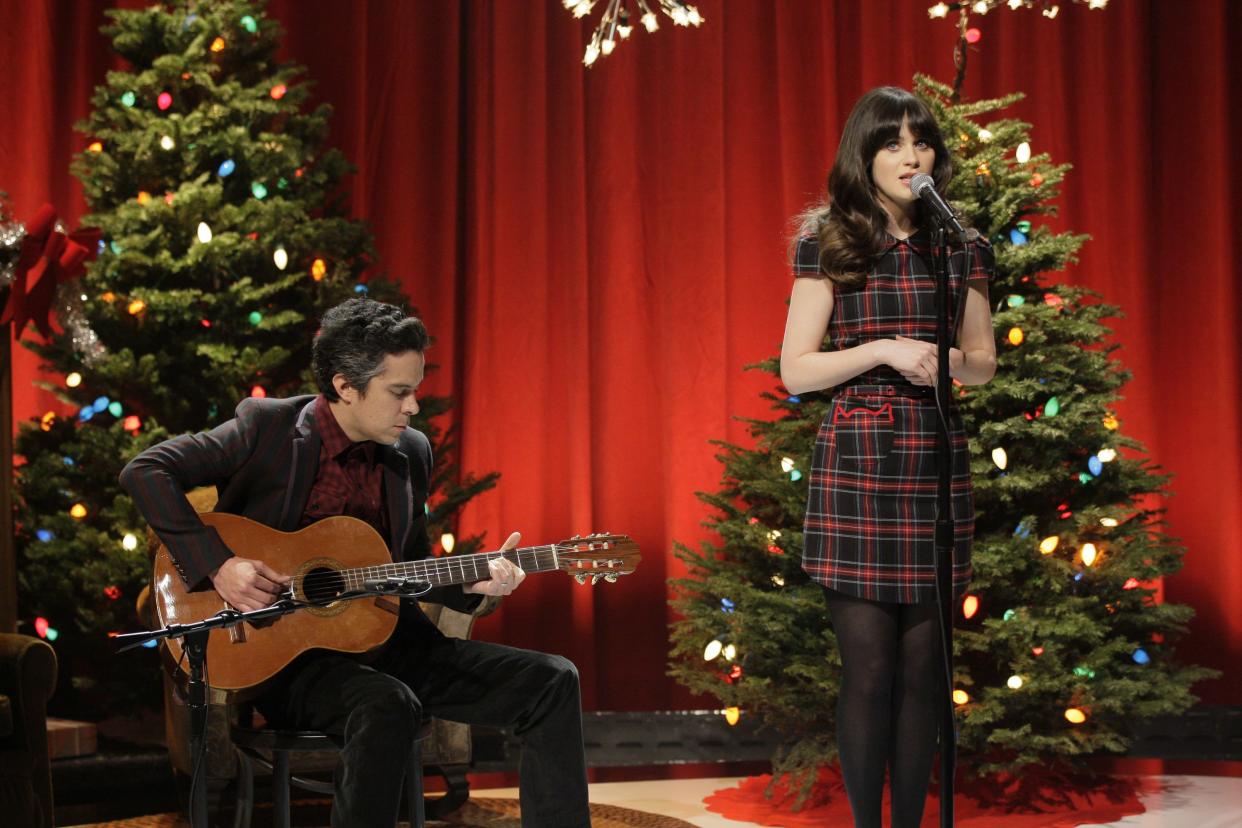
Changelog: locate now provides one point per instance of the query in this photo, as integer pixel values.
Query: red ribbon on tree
(47, 258)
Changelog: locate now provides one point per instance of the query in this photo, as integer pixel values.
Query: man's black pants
(375, 709)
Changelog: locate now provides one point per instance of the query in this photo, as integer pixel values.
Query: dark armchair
(27, 678)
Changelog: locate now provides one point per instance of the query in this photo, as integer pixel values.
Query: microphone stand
(196, 635)
(944, 531)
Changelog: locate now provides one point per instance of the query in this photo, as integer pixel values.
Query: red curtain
(599, 253)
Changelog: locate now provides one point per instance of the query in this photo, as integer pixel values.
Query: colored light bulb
(970, 606)
(732, 715)
(226, 168)
(217, 45)
(259, 190)
(250, 24)
(1017, 237)
(1016, 336)
(1015, 301)
(1089, 554)
(164, 101)
(1052, 407)
(1075, 716)
(254, 318)
(1095, 466)
(115, 408)
(319, 269)
(1141, 657)
(128, 99)
(278, 91)
(77, 511)
(1049, 544)
(960, 697)
(258, 391)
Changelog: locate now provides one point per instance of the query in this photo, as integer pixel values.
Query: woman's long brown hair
(851, 224)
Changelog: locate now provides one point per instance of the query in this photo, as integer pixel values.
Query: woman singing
(863, 278)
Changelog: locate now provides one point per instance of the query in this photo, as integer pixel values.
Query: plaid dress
(871, 507)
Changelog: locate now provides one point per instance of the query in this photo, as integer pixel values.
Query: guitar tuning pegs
(611, 577)
(595, 578)
(580, 578)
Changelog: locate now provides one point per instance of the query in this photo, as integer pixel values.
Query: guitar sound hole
(322, 585)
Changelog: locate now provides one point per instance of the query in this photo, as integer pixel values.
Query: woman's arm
(805, 368)
(973, 362)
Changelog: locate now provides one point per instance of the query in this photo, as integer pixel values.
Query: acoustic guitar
(333, 563)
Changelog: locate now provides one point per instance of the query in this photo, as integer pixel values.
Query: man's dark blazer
(263, 463)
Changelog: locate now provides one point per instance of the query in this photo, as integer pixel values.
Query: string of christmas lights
(616, 22)
(1050, 8)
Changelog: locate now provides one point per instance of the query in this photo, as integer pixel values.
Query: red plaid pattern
(871, 507)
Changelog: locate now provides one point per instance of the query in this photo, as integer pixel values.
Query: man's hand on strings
(505, 574)
(248, 584)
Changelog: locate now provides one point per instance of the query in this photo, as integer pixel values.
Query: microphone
(403, 587)
(924, 187)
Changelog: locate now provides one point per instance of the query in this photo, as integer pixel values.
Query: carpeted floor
(477, 813)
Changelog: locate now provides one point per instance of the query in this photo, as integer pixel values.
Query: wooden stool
(256, 744)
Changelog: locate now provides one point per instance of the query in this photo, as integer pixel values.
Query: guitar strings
(325, 584)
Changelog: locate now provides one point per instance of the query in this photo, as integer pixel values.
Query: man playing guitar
(287, 463)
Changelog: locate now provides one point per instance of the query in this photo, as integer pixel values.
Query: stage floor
(1179, 802)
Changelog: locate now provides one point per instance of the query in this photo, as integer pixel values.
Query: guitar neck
(457, 569)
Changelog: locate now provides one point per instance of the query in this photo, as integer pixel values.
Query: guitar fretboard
(460, 569)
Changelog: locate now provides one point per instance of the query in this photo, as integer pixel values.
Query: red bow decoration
(47, 258)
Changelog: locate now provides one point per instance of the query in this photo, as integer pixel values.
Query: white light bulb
(650, 22)
(1109, 522)
(1000, 458)
(591, 55)
(129, 542)
(281, 258)
(447, 541)
(167, 142)
(73, 380)
(204, 232)
(787, 464)
(712, 651)
(1015, 682)
(937, 11)
(607, 46)
(1107, 455)
(1089, 554)
(981, 7)
(730, 652)
(1023, 153)
(985, 135)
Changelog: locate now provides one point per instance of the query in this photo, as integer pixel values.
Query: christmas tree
(1060, 646)
(224, 238)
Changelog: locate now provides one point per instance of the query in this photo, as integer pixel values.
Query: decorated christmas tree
(1061, 646)
(224, 238)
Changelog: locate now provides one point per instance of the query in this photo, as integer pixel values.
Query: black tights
(888, 710)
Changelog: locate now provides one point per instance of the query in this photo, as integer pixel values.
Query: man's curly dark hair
(355, 336)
